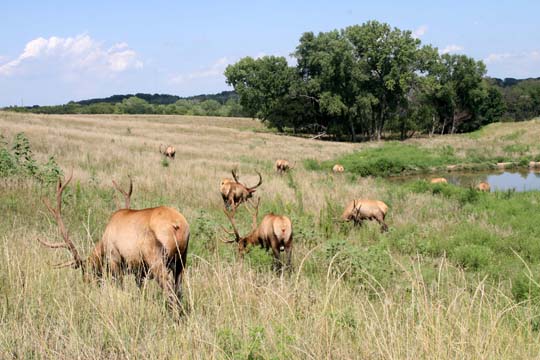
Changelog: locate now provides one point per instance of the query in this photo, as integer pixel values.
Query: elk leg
(115, 269)
(277, 261)
(288, 251)
(180, 264)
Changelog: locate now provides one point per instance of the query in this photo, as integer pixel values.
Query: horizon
(85, 51)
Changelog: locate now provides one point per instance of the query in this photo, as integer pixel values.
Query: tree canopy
(365, 80)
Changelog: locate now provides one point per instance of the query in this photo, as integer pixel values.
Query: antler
(255, 212)
(293, 166)
(57, 213)
(259, 183)
(127, 195)
(235, 177)
(230, 215)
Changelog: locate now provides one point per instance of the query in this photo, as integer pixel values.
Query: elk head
(251, 237)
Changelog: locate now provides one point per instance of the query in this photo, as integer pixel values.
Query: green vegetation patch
(392, 158)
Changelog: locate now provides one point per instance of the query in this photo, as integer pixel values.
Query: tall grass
(440, 284)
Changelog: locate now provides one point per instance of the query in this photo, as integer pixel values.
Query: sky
(55, 51)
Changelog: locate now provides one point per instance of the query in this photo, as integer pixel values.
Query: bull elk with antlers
(283, 166)
(274, 232)
(149, 243)
(234, 192)
(169, 151)
(364, 209)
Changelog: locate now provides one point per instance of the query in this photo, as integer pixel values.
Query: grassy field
(455, 277)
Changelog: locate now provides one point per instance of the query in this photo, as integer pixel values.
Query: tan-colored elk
(169, 151)
(338, 168)
(150, 243)
(440, 180)
(483, 186)
(366, 209)
(283, 166)
(234, 192)
(274, 232)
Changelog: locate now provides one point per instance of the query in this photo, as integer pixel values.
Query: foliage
(393, 158)
(19, 161)
(223, 104)
(364, 80)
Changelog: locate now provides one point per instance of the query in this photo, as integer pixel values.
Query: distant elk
(338, 168)
(274, 232)
(365, 209)
(440, 180)
(149, 243)
(169, 151)
(283, 166)
(233, 192)
(483, 186)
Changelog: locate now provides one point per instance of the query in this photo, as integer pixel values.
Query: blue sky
(55, 51)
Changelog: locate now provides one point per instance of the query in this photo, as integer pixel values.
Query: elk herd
(152, 243)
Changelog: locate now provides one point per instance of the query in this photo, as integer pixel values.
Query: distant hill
(161, 99)
(507, 82)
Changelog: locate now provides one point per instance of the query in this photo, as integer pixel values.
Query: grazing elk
(149, 243)
(483, 186)
(234, 192)
(274, 232)
(338, 168)
(440, 180)
(169, 151)
(364, 209)
(283, 166)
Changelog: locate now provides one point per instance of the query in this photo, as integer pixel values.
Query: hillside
(454, 277)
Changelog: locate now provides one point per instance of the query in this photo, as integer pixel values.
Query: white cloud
(420, 31)
(452, 48)
(519, 65)
(214, 70)
(80, 53)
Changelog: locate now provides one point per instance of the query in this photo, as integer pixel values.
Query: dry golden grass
(233, 310)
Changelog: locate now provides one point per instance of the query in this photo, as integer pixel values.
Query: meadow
(455, 277)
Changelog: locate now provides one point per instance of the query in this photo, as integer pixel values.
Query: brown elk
(169, 151)
(440, 180)
(274, 232)
(338, 168)
(483, 186)
(149, 243)
(365, 209)
(234, 192)
(283, 166)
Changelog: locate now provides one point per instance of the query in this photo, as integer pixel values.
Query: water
(518, 180)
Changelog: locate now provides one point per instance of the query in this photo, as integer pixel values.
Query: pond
(515, 179)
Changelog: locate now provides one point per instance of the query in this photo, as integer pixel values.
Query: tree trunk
(353, 132)
(453, 123)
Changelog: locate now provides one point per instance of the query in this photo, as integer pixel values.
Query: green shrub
(471, 256)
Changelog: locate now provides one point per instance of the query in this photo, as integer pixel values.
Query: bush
(19, 162)
(472, 257)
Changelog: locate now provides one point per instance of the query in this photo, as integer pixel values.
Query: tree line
(225, 103)
(365, 81)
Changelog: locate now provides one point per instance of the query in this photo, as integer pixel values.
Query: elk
(274, 232)
(440, 180)
(150, 243)
(283, 166)
(234, 192)
(365, 209)
(483, 186)
(169, 151)
(338, 168)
